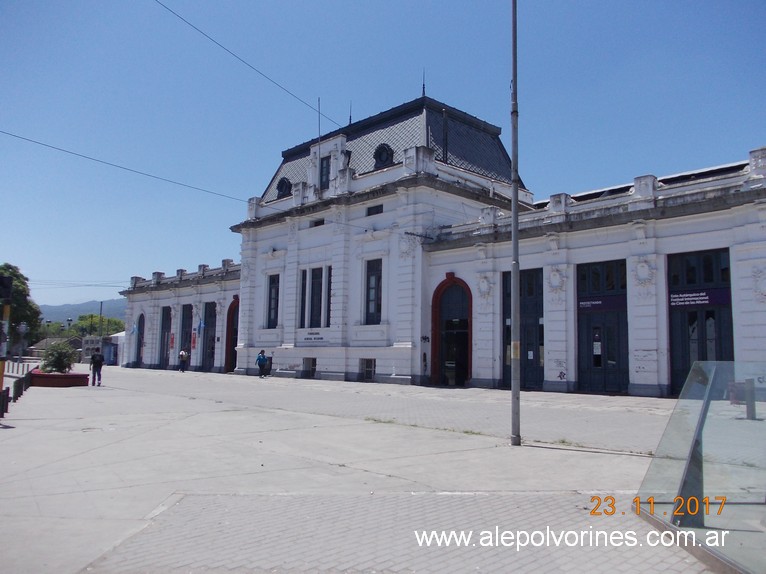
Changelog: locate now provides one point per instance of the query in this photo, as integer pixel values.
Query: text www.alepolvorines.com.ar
(520, 539)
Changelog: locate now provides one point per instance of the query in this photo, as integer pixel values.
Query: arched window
(384, 156)
(284, 188)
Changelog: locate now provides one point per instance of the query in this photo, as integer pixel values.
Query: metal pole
(515, 282)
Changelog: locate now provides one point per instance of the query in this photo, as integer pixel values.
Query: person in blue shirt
(262, 360)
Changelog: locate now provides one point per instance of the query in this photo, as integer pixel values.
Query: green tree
(23, 308)
(59, 358)
(92, 324)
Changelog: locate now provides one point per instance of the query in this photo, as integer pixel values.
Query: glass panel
(315, 311)
(623, 271)
(582, 280)
(710, 335)
(304, 297)
(595, 278)
(674, 265)
(725, 267)
(529, 284)
(708, 275)
(324, 172)
(454, 303)
(273, 301)
(374, 302)
(691, 269)
(693, 336)
(609, 278)
(708, 474)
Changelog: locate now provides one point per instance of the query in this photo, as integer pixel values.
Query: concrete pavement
(195, 472)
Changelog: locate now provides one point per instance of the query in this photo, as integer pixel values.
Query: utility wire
(263, 206)
(122, 167)
(145, 174)
(257, 71)
(246, 63)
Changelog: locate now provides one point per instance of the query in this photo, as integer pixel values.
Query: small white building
(381, 252)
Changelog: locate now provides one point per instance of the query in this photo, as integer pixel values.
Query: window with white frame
(315, 292)
(273, 310)
(373, 304)
(324, 173)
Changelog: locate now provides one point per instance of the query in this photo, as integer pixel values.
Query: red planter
(58, 380)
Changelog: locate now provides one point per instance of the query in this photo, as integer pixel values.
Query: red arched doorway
(452, 332)
(232, 329)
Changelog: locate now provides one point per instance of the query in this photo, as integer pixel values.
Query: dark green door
(532, 330)
(602, 346)
(454, 336)
(701, 329)
(602, 327)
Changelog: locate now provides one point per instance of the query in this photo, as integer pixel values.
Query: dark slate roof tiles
(473, 145)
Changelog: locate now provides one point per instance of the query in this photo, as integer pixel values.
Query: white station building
(382, 252)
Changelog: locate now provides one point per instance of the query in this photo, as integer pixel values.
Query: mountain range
(114, 308)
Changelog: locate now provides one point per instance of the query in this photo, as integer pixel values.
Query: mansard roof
(456, 137)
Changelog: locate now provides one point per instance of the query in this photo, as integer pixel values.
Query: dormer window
(324, 173)
(284, 188)
(384, 156)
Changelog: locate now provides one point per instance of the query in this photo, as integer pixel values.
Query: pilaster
(291, 289)
(247, 307)
(341, 280)
(560, 323)
(487, 315)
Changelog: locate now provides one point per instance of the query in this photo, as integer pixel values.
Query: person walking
(183, 359)
(262, 360)
(96, 362)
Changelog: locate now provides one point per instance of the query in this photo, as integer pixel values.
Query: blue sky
(608, 90)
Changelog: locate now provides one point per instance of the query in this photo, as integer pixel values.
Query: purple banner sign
(701, 297)
(605, 303)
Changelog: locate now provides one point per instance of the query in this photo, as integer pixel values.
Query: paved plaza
(168, 472)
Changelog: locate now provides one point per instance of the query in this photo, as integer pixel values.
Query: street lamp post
(515, 280)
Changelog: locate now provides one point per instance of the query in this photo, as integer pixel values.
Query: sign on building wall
(701, 297)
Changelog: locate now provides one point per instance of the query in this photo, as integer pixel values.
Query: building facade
(382, 252)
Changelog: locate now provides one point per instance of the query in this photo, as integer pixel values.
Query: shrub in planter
(58, 358)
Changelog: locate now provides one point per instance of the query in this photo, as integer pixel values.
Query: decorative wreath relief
(485, 287)
(557, 285)
(759, 284)
(557, 280)
(644, 273)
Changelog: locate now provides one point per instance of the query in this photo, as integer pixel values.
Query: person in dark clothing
(96, 362)
(183, 360)
(262, 360)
